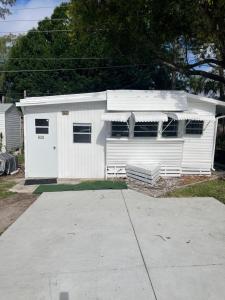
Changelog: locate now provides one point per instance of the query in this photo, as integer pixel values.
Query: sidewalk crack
(139, 247)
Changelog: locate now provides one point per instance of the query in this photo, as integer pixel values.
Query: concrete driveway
(115, 245)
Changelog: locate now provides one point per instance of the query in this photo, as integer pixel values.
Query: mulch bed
(166, 184)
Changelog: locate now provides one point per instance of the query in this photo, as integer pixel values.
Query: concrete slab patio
(115, 245)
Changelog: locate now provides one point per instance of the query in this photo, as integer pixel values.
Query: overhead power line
(36, 31)
(72, 69)
(34, 20)
(31, 8)
(53, 58)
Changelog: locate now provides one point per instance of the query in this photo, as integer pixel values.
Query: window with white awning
(194, 122)
(146, 123)
(119, 123)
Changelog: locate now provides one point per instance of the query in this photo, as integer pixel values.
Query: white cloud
(29, 14)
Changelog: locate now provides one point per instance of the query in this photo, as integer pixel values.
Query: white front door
(41, 146)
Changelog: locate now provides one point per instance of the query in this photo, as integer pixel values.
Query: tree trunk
(173, 80)
(222, 94)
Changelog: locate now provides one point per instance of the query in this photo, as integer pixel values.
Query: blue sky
(28, 14)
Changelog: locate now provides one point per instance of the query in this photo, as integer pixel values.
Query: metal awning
(190, 116)
(150, 117)
(116, 117)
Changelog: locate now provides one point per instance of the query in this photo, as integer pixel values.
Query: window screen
(194, 127)
(170, 128)
(120, 129)
(41, 126)
(81, 133)
(146, 129)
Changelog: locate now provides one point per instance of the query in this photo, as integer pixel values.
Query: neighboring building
(10, 127)
(95, 135)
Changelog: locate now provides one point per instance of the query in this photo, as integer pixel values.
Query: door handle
(54, 147)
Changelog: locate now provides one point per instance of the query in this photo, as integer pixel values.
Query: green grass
(213, 188)
(21, 159)
(86, 185)
(4, 188)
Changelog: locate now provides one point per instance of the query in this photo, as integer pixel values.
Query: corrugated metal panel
(129, 100)
(118, 117)
(191, 116)
(82, 160)
(166, 152)
(13, 129)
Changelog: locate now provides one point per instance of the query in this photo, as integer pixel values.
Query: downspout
(214, 140)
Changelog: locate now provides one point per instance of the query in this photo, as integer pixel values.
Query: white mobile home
(10, 127)
(96, 135)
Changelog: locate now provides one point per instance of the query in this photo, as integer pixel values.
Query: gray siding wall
(13, 129)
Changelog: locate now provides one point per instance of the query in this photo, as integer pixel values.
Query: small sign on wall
(41, 137)
(65, 112)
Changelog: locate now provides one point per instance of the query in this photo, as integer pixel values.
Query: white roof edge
(62, 99)
(206, 99)
(146, 91)
(6, 107)
(102, 96)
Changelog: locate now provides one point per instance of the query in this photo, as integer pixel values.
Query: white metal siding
(166, 152)
(74, 160)
(198, 149)
(128, 100)
(13, 129)
(81, 160)
(2, 130)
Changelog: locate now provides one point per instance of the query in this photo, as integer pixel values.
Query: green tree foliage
(6, 42)
(4, 7)
(30, 49)
(193, 35)
(87, 39)
(162, 41)
(186, 36)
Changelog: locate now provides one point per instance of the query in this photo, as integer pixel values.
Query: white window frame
(41, 127)
(82, 133)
